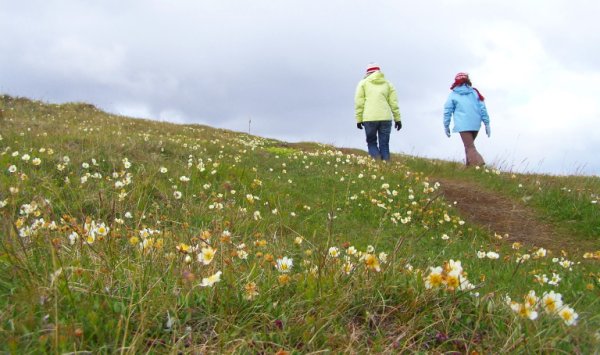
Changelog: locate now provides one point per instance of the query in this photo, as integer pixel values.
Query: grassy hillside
(128, 235)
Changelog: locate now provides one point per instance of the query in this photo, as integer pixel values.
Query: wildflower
(257, 215)
(298, 240)
(383, 257)
(445, 237)
(128, 215)
(183, 248)
(184, 179)
(347, 267)
(566, 263)
(568, 315)
(163, 170)
(242, 254)
(3, 203)
(73, 237)
(492, 255)
(552, 302)
(12, 169)
(211, 280)
(177, 195)
(334, 252)
(531, 299)
(102, 230)
(555, 279)
(351, 250)
(434, 279)
(516, 245)
(526, 311)
(206, 255)
(284, 264)
(371, 262)
(25, 157)
(284, 279)
(481, 254)
(250, 291)
(36, 161)
(540, 253)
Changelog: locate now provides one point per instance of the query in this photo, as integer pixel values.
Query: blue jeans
(381, 130)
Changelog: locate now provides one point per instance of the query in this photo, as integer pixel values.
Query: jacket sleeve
(393, 102)
(484, 114)
(449, 107)
(359, 101)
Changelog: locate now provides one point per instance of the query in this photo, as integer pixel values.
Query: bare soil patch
(502, 215)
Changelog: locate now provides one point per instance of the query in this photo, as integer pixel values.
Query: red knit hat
(372, 67)
(460, 79)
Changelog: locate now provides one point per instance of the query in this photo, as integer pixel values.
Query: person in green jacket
(375, 102)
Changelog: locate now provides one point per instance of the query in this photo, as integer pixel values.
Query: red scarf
(461, 81)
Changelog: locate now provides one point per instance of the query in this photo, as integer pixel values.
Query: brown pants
(472, 155)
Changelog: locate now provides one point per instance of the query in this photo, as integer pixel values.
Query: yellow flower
(183, 248)
(284, 279)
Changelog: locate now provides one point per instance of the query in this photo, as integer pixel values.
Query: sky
(288, 69)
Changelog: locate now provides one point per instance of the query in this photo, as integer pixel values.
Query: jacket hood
(375, 77)
(463, 89)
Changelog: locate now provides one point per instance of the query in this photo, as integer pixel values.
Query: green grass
(139, 286)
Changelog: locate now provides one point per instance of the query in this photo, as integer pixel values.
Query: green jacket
(376, 99)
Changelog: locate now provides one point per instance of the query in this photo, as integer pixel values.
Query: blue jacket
(463, 102)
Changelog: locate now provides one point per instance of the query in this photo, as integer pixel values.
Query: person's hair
(468, 82)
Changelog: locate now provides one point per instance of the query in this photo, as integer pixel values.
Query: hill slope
(131, 235)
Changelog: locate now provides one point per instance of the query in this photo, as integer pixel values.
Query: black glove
(398, 125)
(359, 125)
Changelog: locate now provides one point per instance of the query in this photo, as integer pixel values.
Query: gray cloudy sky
(292, 68)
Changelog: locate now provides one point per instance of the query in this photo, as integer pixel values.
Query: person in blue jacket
(467, 106)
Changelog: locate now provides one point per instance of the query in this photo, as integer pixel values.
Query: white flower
(445, 237)
(540, 253)
(184, 178)
(211, 280)
(552, 302)
(242, 254)
(177, 195)
(12, 169)
(73, 237)
(163, 170)
(25, 157)
(334, 252)
(206, 255)
(555, 280)
(36, 161)
(481, 254)
(492, 255)
(284, 264)
(568, 315)
(128, 215)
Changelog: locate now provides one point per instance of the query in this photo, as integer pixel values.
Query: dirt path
(501, 215)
